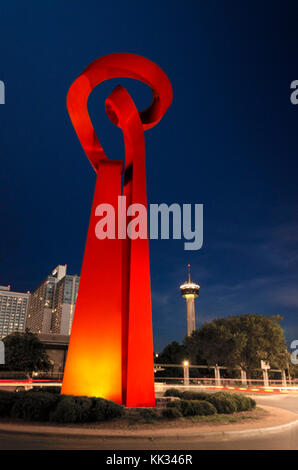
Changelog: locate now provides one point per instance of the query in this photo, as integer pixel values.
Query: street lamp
(186, 372)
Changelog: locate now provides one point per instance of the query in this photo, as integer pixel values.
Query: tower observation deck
(190, 291)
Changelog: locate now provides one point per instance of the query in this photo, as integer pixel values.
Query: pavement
(276, 420)
(276, 430)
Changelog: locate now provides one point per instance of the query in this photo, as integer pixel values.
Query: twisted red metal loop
(116, 66)
(111, 349)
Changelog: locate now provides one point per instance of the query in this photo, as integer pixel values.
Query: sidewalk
(277, 420)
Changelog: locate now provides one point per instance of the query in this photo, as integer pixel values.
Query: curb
(268, 430)
(81, 432)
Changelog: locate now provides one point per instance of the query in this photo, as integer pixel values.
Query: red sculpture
(110, 352)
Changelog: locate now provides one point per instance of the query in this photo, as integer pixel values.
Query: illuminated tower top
(189, 288)
(190, 291)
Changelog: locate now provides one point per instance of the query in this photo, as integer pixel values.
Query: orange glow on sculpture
(110, 352)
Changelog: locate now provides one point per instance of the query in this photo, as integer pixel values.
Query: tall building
(190, 291)
(52, 303)
(13, 310)
(64, 302)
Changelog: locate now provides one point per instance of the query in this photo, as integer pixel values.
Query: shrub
(224, 403)
(104, 410)
(148, 414)
(49, 389)
(221, 402)
(72, 409)
(249, 403)
(171, 413)
(7, 400)
(192, 407)
(174, 404)
(222, 393)
(173, 392)
(243, 402)
(230, 396)
(240, 401)
(83, 407)
(186, 407)
(190, 395)
(203, 408)
(196, 407)
(33, 406)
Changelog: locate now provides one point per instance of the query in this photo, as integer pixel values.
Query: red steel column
(93, 365)
(137, 348)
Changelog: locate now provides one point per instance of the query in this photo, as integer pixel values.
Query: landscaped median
(189, 415)
(51, 406)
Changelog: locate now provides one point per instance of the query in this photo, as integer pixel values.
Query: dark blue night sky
(229, 141)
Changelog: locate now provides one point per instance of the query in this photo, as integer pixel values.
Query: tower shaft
(191, 316)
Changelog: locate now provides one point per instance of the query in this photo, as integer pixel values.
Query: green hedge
(66, 411)
(239, 401)
(224, 402)
(148, 414)
(7, 400)
(71, 409)
(104, 410)
(173, 392)
(45, 406)
(193, 407)
(32, 406)
(244, 403)
(203, 407)
(171, 413)
(190, 395)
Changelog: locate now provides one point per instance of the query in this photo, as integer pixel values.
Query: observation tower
(190, 291)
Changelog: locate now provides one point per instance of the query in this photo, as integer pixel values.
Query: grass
(138, 423)
(258, 413)
(134, 420)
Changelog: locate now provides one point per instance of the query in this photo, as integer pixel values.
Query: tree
(173, 353)
(243, 341)
(192, 352)
(25, 352)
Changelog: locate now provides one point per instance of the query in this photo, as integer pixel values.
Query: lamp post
(265, 366)
(186, 372)
(217, 375)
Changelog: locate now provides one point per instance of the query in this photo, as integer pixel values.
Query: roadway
(287, 440)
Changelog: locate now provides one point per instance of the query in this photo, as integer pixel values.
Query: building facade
(52, 303)
(13, 310)
(64, 302)
(56, 348)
